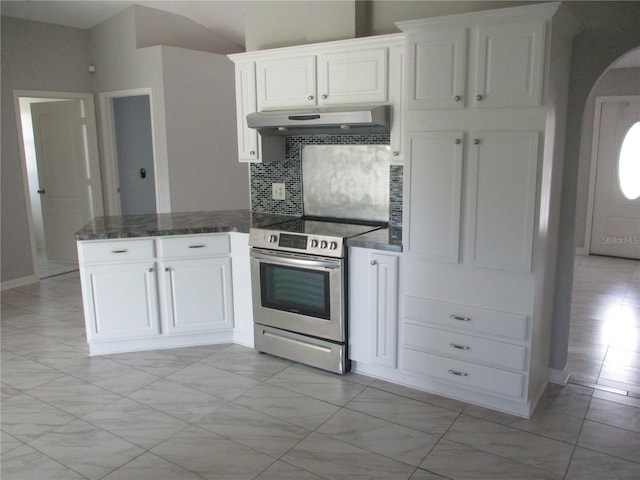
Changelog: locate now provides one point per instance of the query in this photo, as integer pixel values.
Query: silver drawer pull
(119, 251)
(457, 317)
(459, 347)
(196, 246)
(459, 374)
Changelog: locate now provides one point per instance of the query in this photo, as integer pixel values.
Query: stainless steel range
(298, 275)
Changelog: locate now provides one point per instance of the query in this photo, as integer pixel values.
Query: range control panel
(297, 242)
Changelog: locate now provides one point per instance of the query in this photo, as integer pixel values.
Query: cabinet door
(197, 295)
(436, 62)
(396, 71)
(435, 192)
(383, 292)
(286, 82)
(503, 180)
(509, 69)
(355, 76)
(120, 301)
(248, 138)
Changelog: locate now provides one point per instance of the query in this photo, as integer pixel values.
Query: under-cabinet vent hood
(339, 121)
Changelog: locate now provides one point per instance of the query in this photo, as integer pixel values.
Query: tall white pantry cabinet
(485, 105)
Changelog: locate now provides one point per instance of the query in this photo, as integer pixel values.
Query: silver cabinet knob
(310, 97)
(396, 154)
(324, 97)
(457, 98)
(167, 269)
(479, 97)
(373, 262)
(252, 152)
(458, 141)
(476, 141)
(150, 270)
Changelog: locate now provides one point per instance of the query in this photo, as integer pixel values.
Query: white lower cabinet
(179, 295)
(373, 307)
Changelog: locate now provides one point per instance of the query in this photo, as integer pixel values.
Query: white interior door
(62, 173)
(615, 229)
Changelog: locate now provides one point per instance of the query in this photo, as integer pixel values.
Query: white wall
(617, 81)
(204, 172)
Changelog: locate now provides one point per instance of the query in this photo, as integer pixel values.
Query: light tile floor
(227, 412)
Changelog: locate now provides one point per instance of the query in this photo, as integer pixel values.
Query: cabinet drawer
(465, 347)
(466, 319)
(194, 246)
(116, 251)
(464, 374)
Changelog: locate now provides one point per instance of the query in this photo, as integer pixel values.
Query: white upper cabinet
(509, 68)
(248, 144)
(492, 65)
(286, 82)
(436, 62)
(353, 76)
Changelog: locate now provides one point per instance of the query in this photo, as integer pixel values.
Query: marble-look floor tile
(8, 442)
(27, 463)
(336, 460)
(247, 362)
(286, 405)
(615, 414)
(160, 363)
(462, 462)
(136, 423)
(253, 429)
(114, 376)
(213, 381)
(86, 449)
(27, 418)
(24, 374)
(73, 396)
(522, 447)
(617, 398)
(590, 465)
(177, 400)
(403, 411)
(284, 471)
(212, 456)
(421, 474)
(437, 400)
(611, 440)
(149, 466)
(324, 386)
(379, 436)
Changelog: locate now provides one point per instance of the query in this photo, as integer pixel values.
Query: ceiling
(223, 17)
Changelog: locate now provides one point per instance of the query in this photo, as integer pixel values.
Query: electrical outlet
(277, 191)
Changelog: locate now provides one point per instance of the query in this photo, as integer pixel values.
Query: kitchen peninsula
(165, 280)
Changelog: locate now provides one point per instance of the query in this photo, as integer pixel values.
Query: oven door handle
(302, 262)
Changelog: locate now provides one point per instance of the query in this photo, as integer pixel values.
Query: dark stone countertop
(389, 239)
(186, 223)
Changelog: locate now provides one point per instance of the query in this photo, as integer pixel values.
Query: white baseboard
(559, 377)
(18, 282)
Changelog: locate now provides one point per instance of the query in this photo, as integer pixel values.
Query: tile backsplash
(289, 172)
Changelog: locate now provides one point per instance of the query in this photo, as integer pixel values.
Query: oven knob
(314, 243)
(323, 244)
(273, 238)
(333, 246)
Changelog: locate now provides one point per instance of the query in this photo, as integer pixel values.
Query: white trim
(95, 206)
(19, 282)
(586, 247)
(109, 144)
(559, 377)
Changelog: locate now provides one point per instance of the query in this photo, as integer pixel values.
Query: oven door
(298, 293)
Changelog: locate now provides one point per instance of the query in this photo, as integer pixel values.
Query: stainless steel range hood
(338, 121)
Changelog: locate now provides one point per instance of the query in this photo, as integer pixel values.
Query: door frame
(599, 101)
(109, 144)
(93, 164)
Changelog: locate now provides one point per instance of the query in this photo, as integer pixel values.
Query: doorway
(129, 151)
(60, 160)
(615, 224)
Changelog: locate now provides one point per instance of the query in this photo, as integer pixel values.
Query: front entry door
(616, 208)
(62, 174)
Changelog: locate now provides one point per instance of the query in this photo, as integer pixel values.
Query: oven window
(295, 289)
